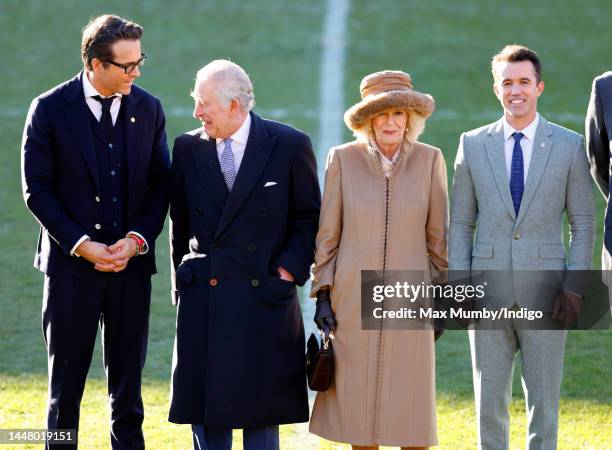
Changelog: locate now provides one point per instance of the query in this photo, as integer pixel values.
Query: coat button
(98, 226)
(213, 282)
(251, 247)
(263, 211)
(517, 236)
(255, 282)
(200, 211)
(97, 199)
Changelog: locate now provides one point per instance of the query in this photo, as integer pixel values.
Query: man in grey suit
(514, 179)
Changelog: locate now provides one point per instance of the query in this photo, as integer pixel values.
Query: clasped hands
(108, 258)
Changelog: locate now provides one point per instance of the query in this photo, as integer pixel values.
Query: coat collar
(256, 154)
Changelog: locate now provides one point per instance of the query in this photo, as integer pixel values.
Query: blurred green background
(446, 46)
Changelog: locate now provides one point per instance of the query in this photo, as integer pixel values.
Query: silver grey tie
(226, 160)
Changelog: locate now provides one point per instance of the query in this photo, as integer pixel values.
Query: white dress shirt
(94, 105)
(526, 144)
(239, 142)
(96, 108)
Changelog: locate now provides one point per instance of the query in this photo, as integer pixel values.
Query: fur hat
(382, 91)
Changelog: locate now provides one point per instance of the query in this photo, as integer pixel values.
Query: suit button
(255, 282)
(213, 282)
(97, 199)
(517, 236)
(200, 211)
(214, 247)
(263, 211)
(98, 226)
(251, 247)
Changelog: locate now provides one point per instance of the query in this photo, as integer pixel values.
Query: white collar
(529, 131)
(89, 90)
(242, 134)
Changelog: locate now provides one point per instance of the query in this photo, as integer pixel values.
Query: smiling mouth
(517, 102)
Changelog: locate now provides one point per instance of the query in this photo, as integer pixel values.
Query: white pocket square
(270, 183)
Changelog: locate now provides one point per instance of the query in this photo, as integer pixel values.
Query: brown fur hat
(381, 91)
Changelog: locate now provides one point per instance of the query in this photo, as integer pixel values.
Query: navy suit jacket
(60, 174)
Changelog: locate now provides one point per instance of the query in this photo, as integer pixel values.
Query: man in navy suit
(244, 213)
(95, 166)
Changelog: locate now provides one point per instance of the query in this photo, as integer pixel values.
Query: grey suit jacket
(485, 233)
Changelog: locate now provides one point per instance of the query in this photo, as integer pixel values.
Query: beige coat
(384, 387)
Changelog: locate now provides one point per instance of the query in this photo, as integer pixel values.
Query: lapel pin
(542, 145)
(132, 120)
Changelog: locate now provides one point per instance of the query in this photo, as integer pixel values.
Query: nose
(136, 72)
(197, 110)
(515, 88)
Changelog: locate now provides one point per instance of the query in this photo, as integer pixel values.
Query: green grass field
(445, 45)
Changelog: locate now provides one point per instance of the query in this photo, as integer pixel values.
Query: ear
(96, 64)
(495, 89)
(540, 88)
(234, 106)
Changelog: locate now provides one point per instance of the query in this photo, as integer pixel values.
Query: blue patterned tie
(517, 172)
(228, 168)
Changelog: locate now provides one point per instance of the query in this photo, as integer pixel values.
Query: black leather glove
(324, 316)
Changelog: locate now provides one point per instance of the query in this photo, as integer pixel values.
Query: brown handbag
(319, 362)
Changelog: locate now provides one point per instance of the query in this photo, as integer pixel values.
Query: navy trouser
(73, 308)
(212, 438)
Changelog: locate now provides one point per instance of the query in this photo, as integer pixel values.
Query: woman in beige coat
(384, 207)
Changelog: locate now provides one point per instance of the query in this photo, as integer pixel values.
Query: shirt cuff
(145, 248)
(79, 242)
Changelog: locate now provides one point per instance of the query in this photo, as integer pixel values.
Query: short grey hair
(234, 83)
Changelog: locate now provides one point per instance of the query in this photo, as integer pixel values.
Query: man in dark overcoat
(244, 212)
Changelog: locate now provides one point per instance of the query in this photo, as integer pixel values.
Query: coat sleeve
(580, 206)
(151, 222)
(179, 219)
(436, 228)
(297, 252)
(38, 179)
(330, 226)
(597, 140)
(463, 214)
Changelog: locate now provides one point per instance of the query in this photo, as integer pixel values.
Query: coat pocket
(482, 250)
(279, 291)
(552, 251)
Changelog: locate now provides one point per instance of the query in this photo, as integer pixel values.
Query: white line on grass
(331, 83)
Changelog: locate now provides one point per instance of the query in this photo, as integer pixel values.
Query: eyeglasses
(129, 68)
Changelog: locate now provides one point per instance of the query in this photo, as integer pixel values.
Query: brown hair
(101, 33)
(517, 53)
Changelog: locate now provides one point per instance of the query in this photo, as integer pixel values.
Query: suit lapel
(542, 144)
(494, 145)
(207, 167)
(132, 127)
(256, 154)
(78, 117)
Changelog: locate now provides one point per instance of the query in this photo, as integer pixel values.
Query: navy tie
(105, 120)
(517, 171)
